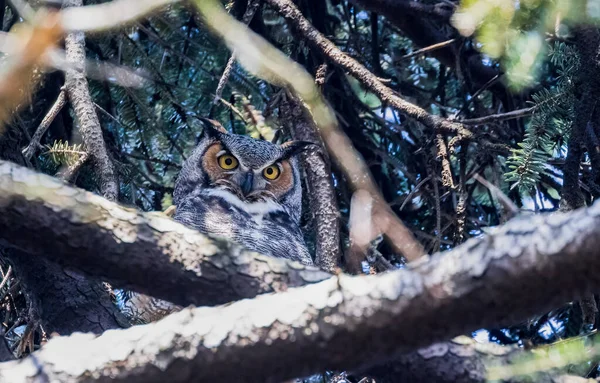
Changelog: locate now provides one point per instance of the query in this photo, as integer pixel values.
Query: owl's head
(254, 171)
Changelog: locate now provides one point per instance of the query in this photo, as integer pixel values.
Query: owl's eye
(271, 172)
(228, 162)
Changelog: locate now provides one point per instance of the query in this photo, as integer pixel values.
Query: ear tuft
(292, 148)
(213, 128)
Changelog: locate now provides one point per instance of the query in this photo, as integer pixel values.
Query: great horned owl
(236, 187)
(245, 190)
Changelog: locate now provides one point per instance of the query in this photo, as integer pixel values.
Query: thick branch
(479, 284)
(322, 199)
(89, 125)
(293, 15)
(149, 253)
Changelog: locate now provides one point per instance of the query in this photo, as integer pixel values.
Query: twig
(509, 206)
(233, 109)
(6, 277)
(248, 15)
(500, 117)
(477, 93)
(427, 49)
(68, 174)
(34, 144)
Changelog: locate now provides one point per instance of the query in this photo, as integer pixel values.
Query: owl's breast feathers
(264, 227)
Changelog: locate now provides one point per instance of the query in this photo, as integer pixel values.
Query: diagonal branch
(292, 14)
(306, 329)
(45, 124)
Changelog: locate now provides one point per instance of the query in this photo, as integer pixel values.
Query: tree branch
(292, 14)
(492, 118)
(89, 125)
(322, 199)
(163, 258)
(45, 124)
(552, 257)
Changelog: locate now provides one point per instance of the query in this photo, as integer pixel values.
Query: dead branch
(493, 118)
(45, 124)
(306, 329)
(248, 15)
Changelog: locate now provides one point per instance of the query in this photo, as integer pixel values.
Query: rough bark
(322, 199)
(461, 360)
(146, 252)
(89, 124)
(66, 300)
(340, 323)
(587, 41)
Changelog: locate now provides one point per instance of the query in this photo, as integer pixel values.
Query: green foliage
(65, 154)
(550, 124)
(515, 32)
(256, 127)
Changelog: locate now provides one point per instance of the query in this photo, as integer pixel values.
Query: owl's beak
(248, 183)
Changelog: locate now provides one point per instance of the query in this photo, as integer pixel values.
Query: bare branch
(492, 118)
(322, 199)
(293, 15)
(45, 124)
(307, 329)
(248, 15)
(427, 49)
(89, 124)
(176, 263)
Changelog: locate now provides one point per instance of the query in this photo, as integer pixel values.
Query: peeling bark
(146, 252)
(339, 323)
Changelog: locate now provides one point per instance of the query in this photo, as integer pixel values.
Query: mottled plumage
(242, 203)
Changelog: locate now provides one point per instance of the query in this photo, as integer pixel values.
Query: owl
(246, 190)
(236, 187)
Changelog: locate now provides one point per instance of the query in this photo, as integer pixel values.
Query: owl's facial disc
(251, 175)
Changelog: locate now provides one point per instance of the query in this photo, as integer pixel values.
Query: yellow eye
(228, 162)
(271, 172)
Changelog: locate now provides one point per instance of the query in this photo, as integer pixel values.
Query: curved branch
(145, 252)
(307, 329)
